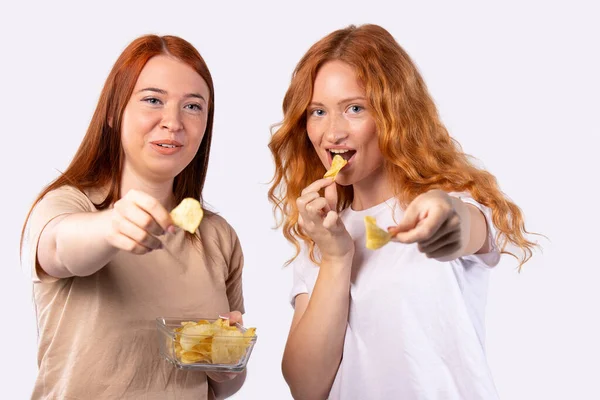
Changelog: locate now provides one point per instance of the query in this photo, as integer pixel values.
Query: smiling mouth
(167, 146)
(345, 154)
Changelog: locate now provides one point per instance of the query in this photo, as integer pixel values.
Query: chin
(343, 181)
(164, 172)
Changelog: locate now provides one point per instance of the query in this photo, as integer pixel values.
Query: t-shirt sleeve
(298, 266)
(491, 258)
(65, 200)
(235, 294)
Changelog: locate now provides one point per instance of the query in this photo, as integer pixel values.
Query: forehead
(170, 74)
(337, 79)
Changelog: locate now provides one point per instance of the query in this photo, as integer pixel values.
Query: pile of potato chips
(211, 343)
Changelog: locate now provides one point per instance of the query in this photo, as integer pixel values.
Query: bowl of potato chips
(204, 344)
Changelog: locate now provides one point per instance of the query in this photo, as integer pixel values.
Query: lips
(167, 143)
(345, 152)
(166, 147)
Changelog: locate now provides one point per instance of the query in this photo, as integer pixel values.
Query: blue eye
(194, 107)
(355, 109)
(152, 100)
(317, 112)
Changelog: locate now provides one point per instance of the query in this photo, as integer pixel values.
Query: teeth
(338, 151)
(168, 146)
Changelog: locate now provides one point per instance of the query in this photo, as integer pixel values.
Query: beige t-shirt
(97, 334)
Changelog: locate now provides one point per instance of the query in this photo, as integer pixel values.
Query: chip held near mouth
(337, 164)
(188, 214)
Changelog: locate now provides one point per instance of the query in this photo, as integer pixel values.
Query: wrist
(341, 261)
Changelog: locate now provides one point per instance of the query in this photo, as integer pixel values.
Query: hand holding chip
(432, 222)
(234, 317)
(320, 220)
(135, 221)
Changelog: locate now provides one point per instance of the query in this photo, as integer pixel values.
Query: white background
(516, 83)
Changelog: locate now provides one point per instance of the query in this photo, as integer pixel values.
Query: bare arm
(443, 226)
(315, 344)
(314, 347)
(79, 244)
(474, 229)
(227, 388)
(74, 245)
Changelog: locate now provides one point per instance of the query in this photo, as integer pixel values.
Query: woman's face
(339, 121)
(165, 119)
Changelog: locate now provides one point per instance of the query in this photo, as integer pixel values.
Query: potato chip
(211, 343)
(376, 237)
(188, 214)
(337, 164)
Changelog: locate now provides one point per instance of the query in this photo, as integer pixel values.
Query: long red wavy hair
(419, 154)
(99, 160)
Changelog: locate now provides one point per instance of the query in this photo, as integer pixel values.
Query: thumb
(331, 196)
(233, 317)
(409, 221)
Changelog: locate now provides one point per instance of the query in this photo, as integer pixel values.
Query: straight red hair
(99, 160)
(419, 154)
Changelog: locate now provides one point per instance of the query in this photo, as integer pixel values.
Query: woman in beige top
(106, 257)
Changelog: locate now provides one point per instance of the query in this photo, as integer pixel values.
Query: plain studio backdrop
(515, 83)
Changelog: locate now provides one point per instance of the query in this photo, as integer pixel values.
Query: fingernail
(172, 229)
(223, 317)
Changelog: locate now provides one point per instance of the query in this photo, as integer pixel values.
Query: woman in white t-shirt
(405, 321)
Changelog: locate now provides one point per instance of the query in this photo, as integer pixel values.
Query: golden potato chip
(212, 343)
(191, 357)
(337, 164)
(376, 237)
(188, 214)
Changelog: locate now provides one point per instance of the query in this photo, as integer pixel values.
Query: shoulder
(65, 199)
(217, 225)
(216, 231)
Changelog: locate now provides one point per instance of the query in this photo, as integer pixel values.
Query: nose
(337, 131)
(171, 119)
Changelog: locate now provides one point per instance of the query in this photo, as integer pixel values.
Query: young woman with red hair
(405, 321)
(106, 258)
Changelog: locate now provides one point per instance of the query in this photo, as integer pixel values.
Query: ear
(110, 121)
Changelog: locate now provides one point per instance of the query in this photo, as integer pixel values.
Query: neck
(161, 190)
(373, 190)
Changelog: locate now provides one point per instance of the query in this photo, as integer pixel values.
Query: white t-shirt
(415, 325)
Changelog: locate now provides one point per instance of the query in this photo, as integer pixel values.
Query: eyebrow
(346, 100)
(164, 92)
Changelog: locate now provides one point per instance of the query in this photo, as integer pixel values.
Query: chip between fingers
(376, 237)
(188, 215)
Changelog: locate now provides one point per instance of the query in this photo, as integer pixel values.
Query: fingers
(317, 185)
(222, 376)
(445, 250)
(450, 225)
(123, 242)
(330, 221)
(151, 206)
(311, 206)
(137, 234)
(133, 213)
(137, 219)
(425, 228)
(234, 317)
(316, 209)
(450, 239)
(332, 196)
(409, 220)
